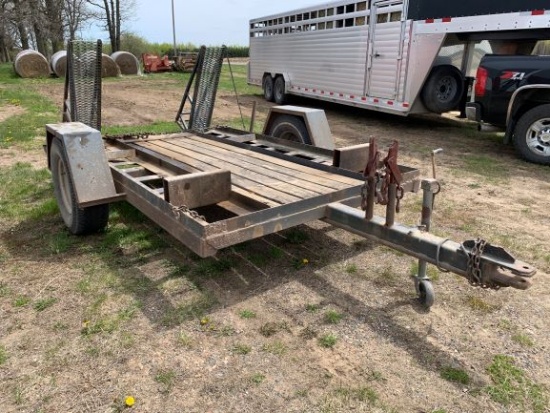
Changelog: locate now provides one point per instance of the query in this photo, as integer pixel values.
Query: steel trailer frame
(221, 187)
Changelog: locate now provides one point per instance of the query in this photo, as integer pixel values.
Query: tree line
(46, 25)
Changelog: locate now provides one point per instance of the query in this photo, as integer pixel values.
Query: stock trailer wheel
(267, 86)
(80, 221)
(279, 94)
(443, 89)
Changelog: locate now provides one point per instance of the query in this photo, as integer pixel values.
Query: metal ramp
(205, 79)
(82, 96)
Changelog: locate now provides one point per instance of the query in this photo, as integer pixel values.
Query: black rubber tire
(291, 128)
(267, 86)
(279, 95)
(80, 221)
(425, 291)
(443, 89)
(534, 144)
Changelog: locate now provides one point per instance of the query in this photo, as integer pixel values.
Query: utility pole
(174, 28)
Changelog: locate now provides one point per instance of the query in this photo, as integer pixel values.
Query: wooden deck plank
(244, 183)
(279, 162)
(297, 183)
(240, 169)
(319, 183)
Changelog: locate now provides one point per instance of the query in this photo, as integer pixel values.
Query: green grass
(166, 379)
(241, 349)
(247, 314)
(361, 394)
(296, 236)
(26, 193)
(21, 301)
(257, 378)
(328, 340)
(211, 267)
(333, 317)
(511, 386)
(155, 128)
(277, 348)
(3, 354)
(351, 268)
(44, 303)
(523, 340)
(36, 110)
(455, 375)
(480, 305)
(312, 308)
(491, 169)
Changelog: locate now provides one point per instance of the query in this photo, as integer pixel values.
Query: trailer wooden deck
(272, 186)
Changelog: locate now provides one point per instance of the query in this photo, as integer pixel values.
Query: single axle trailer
(221, 187)
(212, 187)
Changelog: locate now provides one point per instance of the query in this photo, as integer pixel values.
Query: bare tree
(76, 13)
(113, 13)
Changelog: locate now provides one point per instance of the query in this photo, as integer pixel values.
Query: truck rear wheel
(290, 128)
(443, 89)
(532, 135)
(80, 221)
(279, 94)
(267, 86)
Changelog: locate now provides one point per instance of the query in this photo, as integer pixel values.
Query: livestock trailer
(395, 56)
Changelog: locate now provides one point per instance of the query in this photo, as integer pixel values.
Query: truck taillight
(481, 81)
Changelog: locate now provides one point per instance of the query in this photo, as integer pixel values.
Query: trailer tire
(267, 86)
(291, 128)
(532, 135)
(279, 94)
(80, 221)
(443, 89)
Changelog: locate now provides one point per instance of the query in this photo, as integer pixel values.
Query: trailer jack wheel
(425, 291)
(80, 221)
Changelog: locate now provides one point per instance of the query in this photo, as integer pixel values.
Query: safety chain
(184, 209)
(475, 274)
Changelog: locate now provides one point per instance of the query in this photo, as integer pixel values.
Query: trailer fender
(88, 165)
(313, 120)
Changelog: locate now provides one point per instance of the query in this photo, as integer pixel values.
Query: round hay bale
(58, 63)
(108, 66)
(30, 63)
(127, 62)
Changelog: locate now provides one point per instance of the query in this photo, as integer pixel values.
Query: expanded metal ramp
(205, 79)
(82, 97)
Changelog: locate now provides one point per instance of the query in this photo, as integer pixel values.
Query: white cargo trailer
(396, 56)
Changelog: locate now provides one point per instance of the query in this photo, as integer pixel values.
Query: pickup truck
(512, 93)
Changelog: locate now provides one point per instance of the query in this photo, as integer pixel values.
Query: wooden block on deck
(198, 189)
(353, 158)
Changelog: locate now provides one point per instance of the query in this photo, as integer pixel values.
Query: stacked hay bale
(30, 63)
(109, 68)
(58, 63)
(127, 62)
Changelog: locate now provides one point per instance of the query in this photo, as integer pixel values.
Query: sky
(208, 22)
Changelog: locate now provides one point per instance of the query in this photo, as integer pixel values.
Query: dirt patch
(178, 334)
(7, 111)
